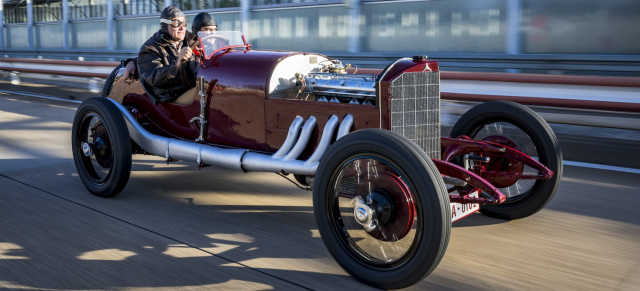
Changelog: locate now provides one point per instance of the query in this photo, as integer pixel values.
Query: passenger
(204, 22)
(165, 54)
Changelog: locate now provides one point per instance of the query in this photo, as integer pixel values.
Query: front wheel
(518, 127)
(381, 208)
(101, 147)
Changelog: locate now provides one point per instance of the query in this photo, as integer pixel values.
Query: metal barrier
(58, 67)
(617, 94)
(612, 65)
(71, 54)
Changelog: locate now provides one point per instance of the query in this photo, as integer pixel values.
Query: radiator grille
(415, 109)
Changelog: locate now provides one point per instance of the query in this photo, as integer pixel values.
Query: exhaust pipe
(283, 161)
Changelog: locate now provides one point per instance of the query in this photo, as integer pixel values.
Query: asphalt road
(179, 228)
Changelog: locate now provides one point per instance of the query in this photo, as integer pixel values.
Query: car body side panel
(241, 115)
(166, 119)
(237, 82)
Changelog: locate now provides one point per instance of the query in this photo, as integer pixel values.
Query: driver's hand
(130, 71)
(185, 54)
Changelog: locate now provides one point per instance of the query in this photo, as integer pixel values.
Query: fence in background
(558, 36)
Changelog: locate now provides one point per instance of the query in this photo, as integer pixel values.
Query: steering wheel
(213, 42)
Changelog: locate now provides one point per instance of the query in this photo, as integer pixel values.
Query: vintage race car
(386, 186)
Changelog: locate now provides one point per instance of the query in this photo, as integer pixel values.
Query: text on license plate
(459, 210)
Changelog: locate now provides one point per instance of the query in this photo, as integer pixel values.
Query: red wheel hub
(499, 164)
(390, 199)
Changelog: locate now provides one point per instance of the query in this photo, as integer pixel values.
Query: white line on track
(602, 167)
(39, 96)
(568, 163)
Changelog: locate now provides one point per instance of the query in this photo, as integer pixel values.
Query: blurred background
(176, 227)
(584, 37)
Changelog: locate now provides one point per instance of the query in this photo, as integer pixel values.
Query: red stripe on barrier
(544, 79)
(528, 78)
(53, 72)
(61, 62)
(565, 103)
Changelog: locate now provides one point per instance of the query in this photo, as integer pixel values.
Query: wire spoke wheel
(518, 127)
(382, 208)
(376, 210)
(510, 135)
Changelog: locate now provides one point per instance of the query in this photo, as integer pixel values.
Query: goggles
(174, 22)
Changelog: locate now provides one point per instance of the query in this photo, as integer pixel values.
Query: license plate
(459, 210)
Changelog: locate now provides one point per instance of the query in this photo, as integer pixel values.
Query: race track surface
(175, 227)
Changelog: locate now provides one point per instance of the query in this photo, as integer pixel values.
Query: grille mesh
(415, 109)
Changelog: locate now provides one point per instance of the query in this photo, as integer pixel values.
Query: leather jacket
(157, 67)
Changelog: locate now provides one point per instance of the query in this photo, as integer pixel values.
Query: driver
(202, 22)
(167, 52)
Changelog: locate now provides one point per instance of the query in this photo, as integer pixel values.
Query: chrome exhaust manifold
(285, 160)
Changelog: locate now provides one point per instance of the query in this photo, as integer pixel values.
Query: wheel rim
(373, 211)
(96, 151)
(513, 136)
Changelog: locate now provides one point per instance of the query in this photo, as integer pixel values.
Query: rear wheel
(381, 208)
(101, 147)
(518, 127)
(108, 84)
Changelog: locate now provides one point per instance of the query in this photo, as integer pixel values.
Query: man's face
(209, 28)
(178, 32)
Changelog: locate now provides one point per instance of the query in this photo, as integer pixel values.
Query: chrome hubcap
(363, 214)
(86, 149)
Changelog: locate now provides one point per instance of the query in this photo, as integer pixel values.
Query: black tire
(108, 84)
(410, 199)
(101, 147)
(533, 136)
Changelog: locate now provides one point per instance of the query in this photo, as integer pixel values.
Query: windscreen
(215, 40)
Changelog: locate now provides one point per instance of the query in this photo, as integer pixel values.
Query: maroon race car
(386, 186)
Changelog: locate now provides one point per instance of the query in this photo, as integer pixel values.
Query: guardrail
(600, 93)
(86, 69)
(619, 65)
(582, 64)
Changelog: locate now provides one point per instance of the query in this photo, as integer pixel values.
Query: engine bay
(313, 77)
(339, 88)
